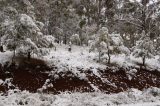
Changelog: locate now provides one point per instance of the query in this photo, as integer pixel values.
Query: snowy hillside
(80, 70)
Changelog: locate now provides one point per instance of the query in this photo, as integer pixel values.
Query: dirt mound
(34, 75)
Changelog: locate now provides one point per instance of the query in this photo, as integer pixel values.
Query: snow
(28, 21)
(117, 39)
(5, 57)
(131, 73)
(132, 97)
(144, 104)
(79, 57)
(154, 63)
(151, 63)
(75, 38)
(8, 82)
(49, 38)
(1, 82)
(130, 61)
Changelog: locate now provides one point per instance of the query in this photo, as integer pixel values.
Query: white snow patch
(5, 56)
(132, 97)
(79, 57)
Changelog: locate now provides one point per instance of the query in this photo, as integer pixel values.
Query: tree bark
(99, 57)
(98, 14)
(14, 55)
(144, 60)
(65, 39)
(109, 57)
(1, 48)
(29, 55)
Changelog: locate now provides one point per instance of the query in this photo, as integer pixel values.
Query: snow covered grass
(132, 97)
(80, 57)
(130, 61)
(154, 63)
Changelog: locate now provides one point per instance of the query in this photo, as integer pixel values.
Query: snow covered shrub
(144, 48)
(102, 43)
(58, 35)
(108, 44)
(75, 39)
(91, 29)
(46, 85)
(157, 45)
(133, 93)
(116, 39)
(124, 50)
(91, 42)
(8, 82)
(88, 33)
(18, 30)
(117, 45)
(46, 41)
(131, 73)
(153, 91)
(25, 47)
(43, 51)
(29, 23)
(40, 25)
(22, 51)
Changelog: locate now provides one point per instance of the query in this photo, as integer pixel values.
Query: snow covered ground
(81, 58)
(132, 97)
(78, 57)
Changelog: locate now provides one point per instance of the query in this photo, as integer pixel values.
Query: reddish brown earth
(31, 75)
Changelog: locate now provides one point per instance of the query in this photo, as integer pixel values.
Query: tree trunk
(144, 60)
(109, 57)
(1, 48)
(89, 23)
(70, 48)
(144, 18)
(88, 17)
(99, 60)
(98, 14)
(14, 55)
(65, 39)
(29, 55)
(80, 36)
(132, 40)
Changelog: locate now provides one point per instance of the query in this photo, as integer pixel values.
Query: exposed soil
(32, 74)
